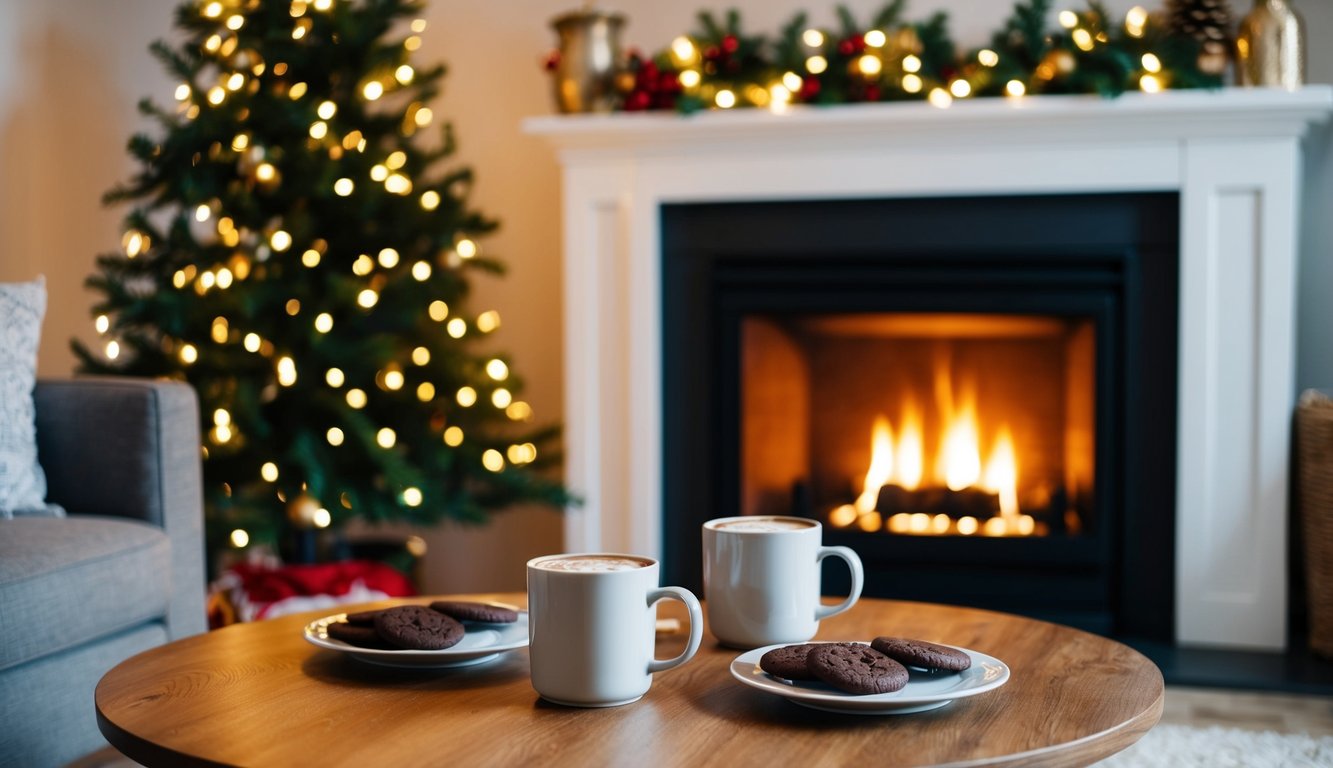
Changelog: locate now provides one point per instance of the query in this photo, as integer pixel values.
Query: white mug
(761, 579)
(592, 627)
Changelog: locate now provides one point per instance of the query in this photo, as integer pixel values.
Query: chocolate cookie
(418, 628)
(360, 636)
(856, 668)
(919, 653)
(465, 611)
(789, 662)
(362, 618)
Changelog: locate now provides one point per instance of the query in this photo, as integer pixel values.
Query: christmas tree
(297, 251)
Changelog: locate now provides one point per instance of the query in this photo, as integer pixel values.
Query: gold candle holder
(590, 57)
(1270, 46)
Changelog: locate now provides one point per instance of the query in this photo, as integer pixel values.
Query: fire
(959, 461)
(911, 462)
(957, 466)
(881, 465)
(1002, 473)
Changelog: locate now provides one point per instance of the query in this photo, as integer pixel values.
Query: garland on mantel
(890, 59)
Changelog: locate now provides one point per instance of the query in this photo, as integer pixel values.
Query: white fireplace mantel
(1233, 155)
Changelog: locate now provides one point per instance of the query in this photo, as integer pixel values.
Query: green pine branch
(890, 15)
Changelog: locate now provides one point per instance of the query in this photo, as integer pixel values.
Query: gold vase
(589, 60)
(1270, 46)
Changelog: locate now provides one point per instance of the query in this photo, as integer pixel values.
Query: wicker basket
(1314, 445)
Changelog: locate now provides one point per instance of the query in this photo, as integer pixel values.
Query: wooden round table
(258, 695)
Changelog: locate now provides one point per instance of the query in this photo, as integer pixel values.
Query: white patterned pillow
(22, 484)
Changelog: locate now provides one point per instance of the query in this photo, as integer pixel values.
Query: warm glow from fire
(957, 466)
(881, 465)
(1002, 473)
(911, 462)
(842, 516)
(959, 461)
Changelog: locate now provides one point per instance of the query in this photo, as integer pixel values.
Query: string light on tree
(466, 396)
(357, 399)
(453, 437)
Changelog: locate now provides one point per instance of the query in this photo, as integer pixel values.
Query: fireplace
(1234, 159)
(975, 394)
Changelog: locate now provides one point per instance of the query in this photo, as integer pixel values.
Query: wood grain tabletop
(259, 695)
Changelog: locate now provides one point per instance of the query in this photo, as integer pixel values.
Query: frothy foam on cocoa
(764, 525)
(592, 564)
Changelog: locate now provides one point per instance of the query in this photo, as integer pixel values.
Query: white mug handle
(696, 626)
(858, 580)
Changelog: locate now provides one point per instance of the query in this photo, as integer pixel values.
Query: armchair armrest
(129, 447)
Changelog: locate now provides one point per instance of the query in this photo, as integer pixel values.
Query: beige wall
(71, 72)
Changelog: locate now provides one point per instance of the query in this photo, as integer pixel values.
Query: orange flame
(959, 461)
(1002, 473)
(881, 465)
(958, 466)
(911, 451)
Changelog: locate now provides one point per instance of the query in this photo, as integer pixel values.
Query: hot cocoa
(593, 563)
(765, 525)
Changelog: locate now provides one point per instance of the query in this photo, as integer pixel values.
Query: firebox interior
(920, 423)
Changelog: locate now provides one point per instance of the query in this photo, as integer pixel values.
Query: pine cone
(1210, 23)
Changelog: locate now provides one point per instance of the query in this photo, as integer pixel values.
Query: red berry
(809, 89)
(846, 47)
(730, 44)
(668, 82)
(872, 93)
(636, 101)
(712, 53)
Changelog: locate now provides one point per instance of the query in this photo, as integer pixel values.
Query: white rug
(1180, 746)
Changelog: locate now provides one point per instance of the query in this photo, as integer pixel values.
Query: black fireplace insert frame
(1109, 258)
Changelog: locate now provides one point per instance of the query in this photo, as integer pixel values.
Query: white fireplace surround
(1233, 155)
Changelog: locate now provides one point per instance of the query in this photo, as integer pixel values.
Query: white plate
(924, 690)
(482, 643)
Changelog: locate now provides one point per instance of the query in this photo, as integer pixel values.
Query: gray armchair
(123, 572)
